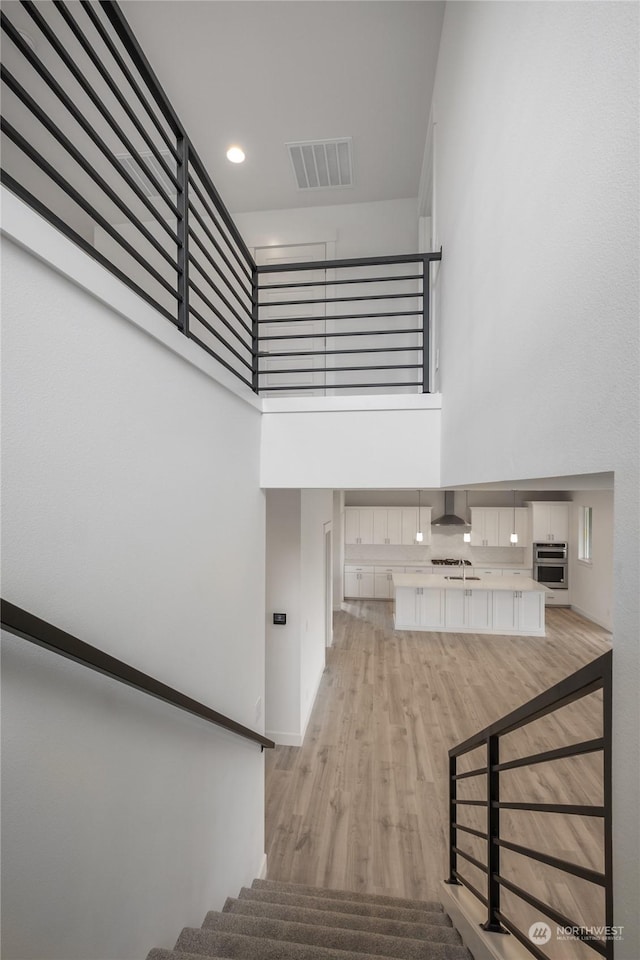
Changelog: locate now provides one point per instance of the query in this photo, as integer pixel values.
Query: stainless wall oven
(550, 565)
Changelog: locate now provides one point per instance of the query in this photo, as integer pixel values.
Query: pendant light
(419, 535)
(466, 536)
(514, 536)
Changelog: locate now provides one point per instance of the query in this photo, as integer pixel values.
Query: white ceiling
(263, 72)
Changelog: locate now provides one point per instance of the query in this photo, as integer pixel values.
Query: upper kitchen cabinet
(549, 521)
(493, 526)
(358, 525)
(386, 525)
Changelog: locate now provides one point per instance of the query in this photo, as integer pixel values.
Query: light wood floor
(362, 805)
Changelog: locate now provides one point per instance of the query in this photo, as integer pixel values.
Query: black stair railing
(595, 676)
(23, 624)
(91, 142)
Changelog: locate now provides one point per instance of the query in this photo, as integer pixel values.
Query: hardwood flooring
(362, 805)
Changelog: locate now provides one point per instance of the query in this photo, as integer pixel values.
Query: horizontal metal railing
(24, 624)
(331, 326)
(92, 143)
(595, 676)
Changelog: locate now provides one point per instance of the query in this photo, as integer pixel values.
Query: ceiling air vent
(322, 164)
(133, 169)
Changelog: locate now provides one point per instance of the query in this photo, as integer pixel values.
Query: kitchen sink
(462, 578)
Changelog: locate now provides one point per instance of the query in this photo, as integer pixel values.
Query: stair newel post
(493, 833)
(255, 337)
(426, 332)
(453, 841)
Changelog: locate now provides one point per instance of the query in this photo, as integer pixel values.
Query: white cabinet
(358, 525)
(383, 582)
(387, 525)
(420, 607)
(487, 571)
(493, 526)
(518, 611)
(484, 527)
(549, 521)
(420, 570)
(359, 581)
(470, 609)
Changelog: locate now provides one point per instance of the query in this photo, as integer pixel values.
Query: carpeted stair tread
(349, 921)
(355, 941)
(158, 954)
(217, 943)
(363, 909)
(429, 906)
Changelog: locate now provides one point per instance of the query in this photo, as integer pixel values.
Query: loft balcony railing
(91, 142)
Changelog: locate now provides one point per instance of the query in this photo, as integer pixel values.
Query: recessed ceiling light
(235, 154)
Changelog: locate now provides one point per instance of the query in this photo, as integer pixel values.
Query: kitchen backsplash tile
(442, 545)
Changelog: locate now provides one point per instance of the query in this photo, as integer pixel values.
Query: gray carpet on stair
(355, 941)
(429, 906)
(158, 954)
(216, 943)
(349, 921)
(363, 909)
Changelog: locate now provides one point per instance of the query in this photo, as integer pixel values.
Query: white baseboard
(261, 873)
(590, 616)
(312, 700)
(284, 739)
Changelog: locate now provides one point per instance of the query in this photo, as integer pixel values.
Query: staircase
(288, 921)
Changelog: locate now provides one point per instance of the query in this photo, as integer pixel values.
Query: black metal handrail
(590, 678)
(24, 624)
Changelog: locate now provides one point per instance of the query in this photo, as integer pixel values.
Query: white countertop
(436, 582)
(497, 565)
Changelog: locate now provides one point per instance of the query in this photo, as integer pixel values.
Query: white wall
(316, 511)
(282, 692)
(296, 586)
(338, 549)
(536, 113)
(358, 229)
(130, 495)
(591, 584)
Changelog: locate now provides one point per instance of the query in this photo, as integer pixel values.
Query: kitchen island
(511, 606)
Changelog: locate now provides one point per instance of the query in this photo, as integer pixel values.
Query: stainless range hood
(449, 518)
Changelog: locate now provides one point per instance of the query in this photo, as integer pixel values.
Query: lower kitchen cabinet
(470, 609)
(473, 609)
(383, 583)
(518, 610)
(359, 582)
(420, 607)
